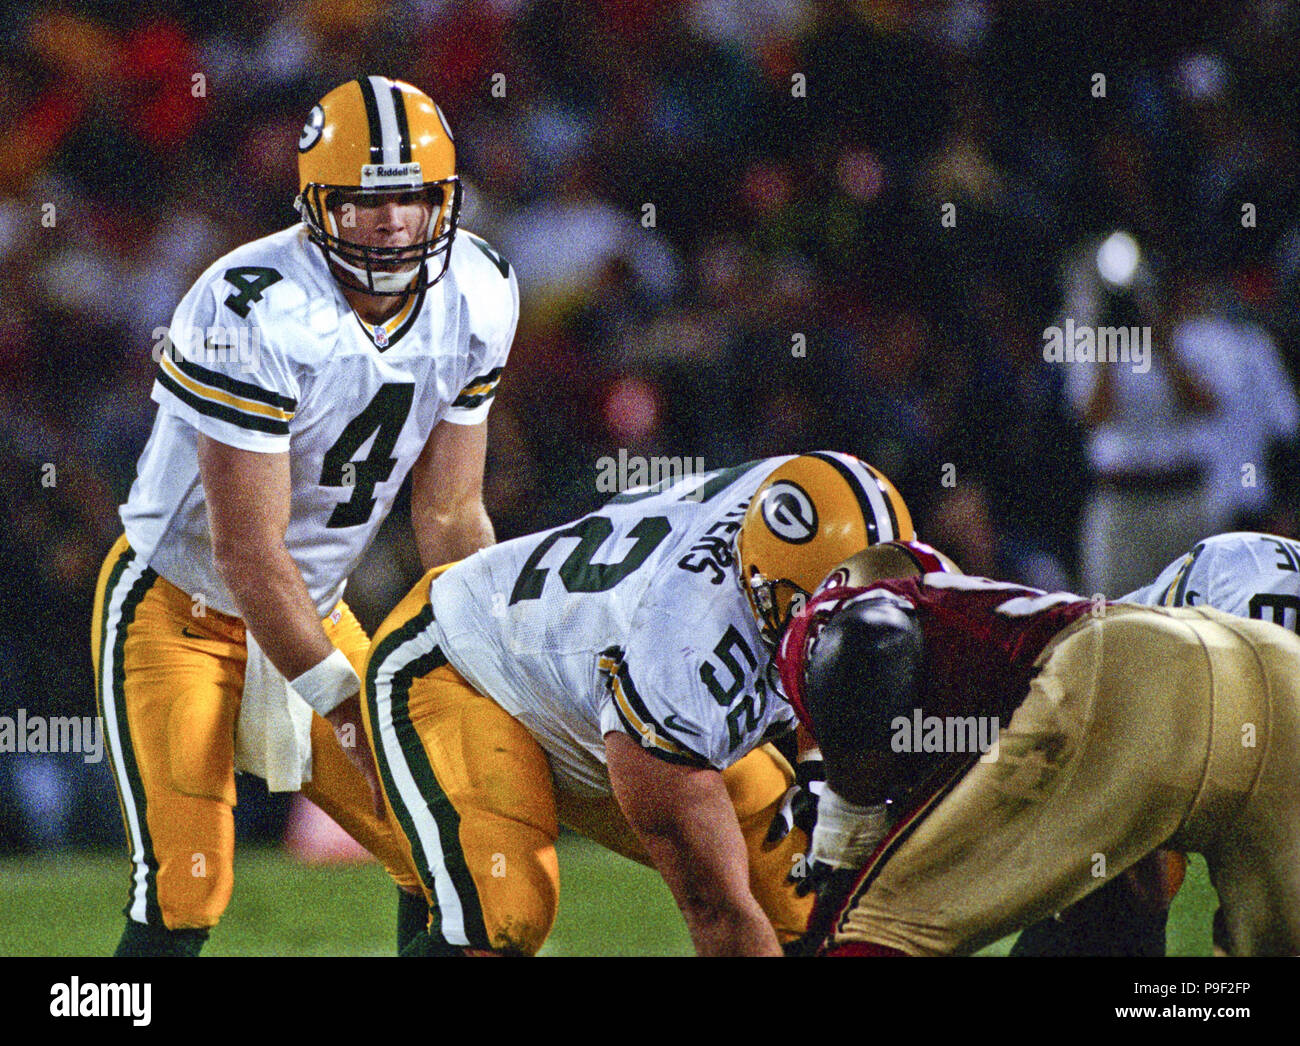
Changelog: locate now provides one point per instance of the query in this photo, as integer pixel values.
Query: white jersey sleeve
(692, 685)
(221, 370)
(496, 315)
(629, 619)
(1243, 573)
(1155, 593)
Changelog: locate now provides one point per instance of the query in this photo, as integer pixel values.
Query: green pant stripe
(417, 765)
(376, 659)
(123, 755)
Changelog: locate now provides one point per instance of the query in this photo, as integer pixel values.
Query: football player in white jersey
(303, 376)
(611, 675)
(1243, 573)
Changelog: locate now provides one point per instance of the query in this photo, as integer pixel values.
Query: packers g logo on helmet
(312, 129)
(789, 512)
(810, 514)
(367, 138)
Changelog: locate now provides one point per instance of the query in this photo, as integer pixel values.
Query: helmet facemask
(772, 608)
(387, 271)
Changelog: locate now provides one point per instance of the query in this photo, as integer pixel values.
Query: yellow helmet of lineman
(370, 137)
(811, 513)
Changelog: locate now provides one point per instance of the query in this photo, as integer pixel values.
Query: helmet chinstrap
(312, 206)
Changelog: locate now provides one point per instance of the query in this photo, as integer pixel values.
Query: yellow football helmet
(811, 513)
(373, 136)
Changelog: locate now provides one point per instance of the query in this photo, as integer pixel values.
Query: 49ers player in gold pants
(1122, 729)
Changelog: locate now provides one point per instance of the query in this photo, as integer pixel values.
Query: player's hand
(816, 876)
(831, 888)
(799, 804)
(346, 722)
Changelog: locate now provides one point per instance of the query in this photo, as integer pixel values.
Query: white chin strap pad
(381, 281)
(389, 282)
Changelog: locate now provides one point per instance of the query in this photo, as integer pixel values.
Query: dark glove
(832, 887)
(815, 878)
(799, 804)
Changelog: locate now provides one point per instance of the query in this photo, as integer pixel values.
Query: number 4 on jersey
(250, 281)
(383, 418)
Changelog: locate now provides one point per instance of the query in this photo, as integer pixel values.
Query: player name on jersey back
(628, 619)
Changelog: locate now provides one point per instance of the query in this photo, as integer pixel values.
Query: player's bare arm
(247, 496)
(447, 494)
(688, 825)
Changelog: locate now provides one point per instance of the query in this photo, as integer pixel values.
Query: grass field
(70, 905)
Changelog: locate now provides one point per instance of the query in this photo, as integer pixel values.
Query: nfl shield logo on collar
(381, 337)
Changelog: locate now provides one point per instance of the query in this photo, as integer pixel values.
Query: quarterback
(612, 675)
(304, 375)
(1128, 729)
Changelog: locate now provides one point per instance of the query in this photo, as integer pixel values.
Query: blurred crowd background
(804, 283)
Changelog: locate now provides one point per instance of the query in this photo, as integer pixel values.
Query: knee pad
(201, 746)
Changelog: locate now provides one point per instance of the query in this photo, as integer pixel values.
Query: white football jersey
(1242, 573)
(264, 353)
(628, 619)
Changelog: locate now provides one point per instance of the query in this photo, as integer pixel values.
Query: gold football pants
(473, 793)
(1145, 728)
(169, 685)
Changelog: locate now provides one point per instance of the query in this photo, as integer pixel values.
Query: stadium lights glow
(1118, 258)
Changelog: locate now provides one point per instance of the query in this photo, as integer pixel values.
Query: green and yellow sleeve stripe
(1176, 594)
(479, 390)
(225, 398)
(636, 717)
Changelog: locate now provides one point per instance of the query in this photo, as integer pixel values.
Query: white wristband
(847, 834)
(327, 684)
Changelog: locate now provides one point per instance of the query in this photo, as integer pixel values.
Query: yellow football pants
(473, 793)
(169, 686)
(1145, 728)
